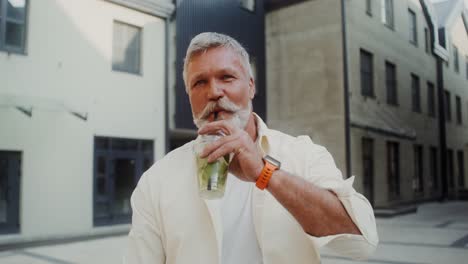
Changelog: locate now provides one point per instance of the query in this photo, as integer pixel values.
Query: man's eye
(228, 77)
(199, 82)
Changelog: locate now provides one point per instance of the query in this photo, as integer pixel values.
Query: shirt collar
(262, 136)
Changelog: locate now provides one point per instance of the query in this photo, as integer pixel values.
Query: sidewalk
(437, 233)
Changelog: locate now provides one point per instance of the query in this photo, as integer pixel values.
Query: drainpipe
(166, 85)
(346, 91)
(442, 130)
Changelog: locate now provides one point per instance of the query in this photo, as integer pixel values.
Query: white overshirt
(172, 224)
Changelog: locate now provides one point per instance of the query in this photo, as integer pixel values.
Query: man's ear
(252, 88)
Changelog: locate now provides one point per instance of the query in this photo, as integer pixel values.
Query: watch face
(273, 161)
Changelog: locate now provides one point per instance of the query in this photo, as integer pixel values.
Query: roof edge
(155, 8)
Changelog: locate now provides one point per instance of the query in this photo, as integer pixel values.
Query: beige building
(360, 77)
(82, 113)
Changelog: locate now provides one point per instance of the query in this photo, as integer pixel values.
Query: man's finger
(222, 125)
(216, 144)
(223, 150)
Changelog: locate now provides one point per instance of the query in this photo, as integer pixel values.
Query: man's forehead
(223, 58)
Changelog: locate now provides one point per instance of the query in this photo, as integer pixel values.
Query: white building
(82, 112)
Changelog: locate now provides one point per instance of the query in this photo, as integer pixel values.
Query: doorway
(118, 165)
(10, 173)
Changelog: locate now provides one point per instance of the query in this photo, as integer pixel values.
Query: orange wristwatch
(271, 165)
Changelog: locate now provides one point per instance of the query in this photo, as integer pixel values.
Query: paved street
(437, 233)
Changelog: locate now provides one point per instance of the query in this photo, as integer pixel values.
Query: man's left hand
(247, 163)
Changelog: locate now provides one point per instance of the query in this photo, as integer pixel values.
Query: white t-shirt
(240, 244)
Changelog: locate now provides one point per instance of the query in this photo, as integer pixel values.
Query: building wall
(369, 33)
(457, 85)
(305, 73)
(68, 65)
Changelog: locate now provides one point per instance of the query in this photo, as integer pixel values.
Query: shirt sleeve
(322, 172)
(144, 239)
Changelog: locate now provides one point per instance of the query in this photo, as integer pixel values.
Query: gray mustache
(223, 103)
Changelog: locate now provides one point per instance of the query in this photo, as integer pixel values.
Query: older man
(284, 197)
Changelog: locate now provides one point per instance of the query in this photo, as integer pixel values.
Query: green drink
(211, 175)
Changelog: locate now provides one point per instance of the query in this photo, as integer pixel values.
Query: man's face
(218, 85)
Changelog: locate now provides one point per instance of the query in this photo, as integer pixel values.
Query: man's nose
(215, 91)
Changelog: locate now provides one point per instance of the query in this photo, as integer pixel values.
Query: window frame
(427, 41)
(461, 169)
(391, 85)
(415, 93)
(24, 23)
(140, 60)
(418, 168)
(448, 106)
(370, 92)
(388, 21)
(393, 160)
(413, 27)
(466, 67)
(369, 7)
(458, 109)
(456, 61)
(243, 7)
(431, 102)
(434, 167)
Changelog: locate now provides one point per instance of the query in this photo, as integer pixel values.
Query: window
(413, 30)
(456, 65)
(466, 68)
(390, 83)
(461, 169)
(427, 40)
(393, 169)
(448, 107)
(418, 180)
(434, 169)
(387, 13)
(416, 94)
(450, 170)
(369, 7)
(126, 50)
(13, 25)
(368, 167)
(248, 4)
(118, 164)
(367, 82)
(431, 99)
(10, 177)
(458, 106)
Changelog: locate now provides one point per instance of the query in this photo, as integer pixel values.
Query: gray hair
(206, 40)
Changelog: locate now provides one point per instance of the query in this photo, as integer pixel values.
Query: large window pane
(367, 85)
(461, 169)
(16, 9)
(14, 34)
(126, 48)
(413, 33)
(448, 106)
(393, 169)
(248, 4)
(459, 109)
(3, 190)
(434, 168)
(456, 64)
(418, 180)
(390, 78)
(387, 13)
(125, 175)
(431, 99)
(416, 94)
(101, 176)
